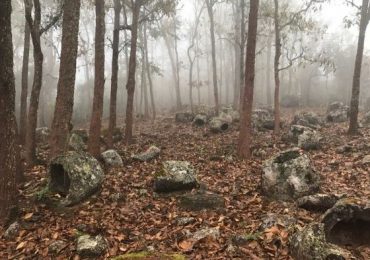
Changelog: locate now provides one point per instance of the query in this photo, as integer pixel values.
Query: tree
(210, 4)
(67, 75)
(97, 111)
(8, 130)
(245, 135)
(24, 91)
(353, 114)
(114, 80)
(38, 57)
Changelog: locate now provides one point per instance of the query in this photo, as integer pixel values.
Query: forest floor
(144, 220)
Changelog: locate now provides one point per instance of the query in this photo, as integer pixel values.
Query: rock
(184, 117)
(116, 135)
(200, 201)
(344, 149)
(88, 246)
(337, 112)
(82, 133)
(213, 233)
(56, 247)
(310, 243)
(263, 119)
(12, 231)
(290, 101)
(150, 154)
(308, 119)
(42, 135)
(76, 143)
(366, 159)
(112, 159)
(366, 119)
(75, 176)
(175, 176)
(347, 223)
(226, 117)
(318, 202)
(305, 137)
(185, 221)
(218, 125)
(272, 219)
(200, 120)
(289, 175)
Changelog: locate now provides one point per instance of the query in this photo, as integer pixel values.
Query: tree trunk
(114, 80)
(148, 71)
(178, 90)
(24, 91)
(97, 111)
(144, 87)
(8, 130)
(191, 62)
(132, 72)
(353, 119)
(242, 49)
(210, 4)
(38, 58)
(268, 72)
(63, 111)
(276, 70)
(245, 136)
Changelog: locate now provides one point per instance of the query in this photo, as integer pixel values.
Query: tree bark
(353, 118)
(132, 72)
(8, 130)
(268, 72)
(210, 4)
(245, 136)
(242, 50)
(114, 80)
(24, 91)
(63, 111)
(97, 111)
(276, 70)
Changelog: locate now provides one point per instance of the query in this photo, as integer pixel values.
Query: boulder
(366, 159)
(89, 246)
(289, 175)
(366, 119)
(200, 201)
(347, 223)
(272, 219)
(290, 101)
(151, 153)
(263, 119)
(337, 112)
(218, 125)
(42, 135)
(175, 176)
(318, 202)
(76, 143)
(185, 221)
(75, 176)
(56, 247)
(200, 120)
(310, 243)
(112, 159)
(184, 117)
(82, 133)
(12, 231)
(305, 137)
(308, 119)
(213, 233)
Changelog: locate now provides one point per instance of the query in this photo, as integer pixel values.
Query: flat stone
(151, 153)
(318, 202)
(88, 246)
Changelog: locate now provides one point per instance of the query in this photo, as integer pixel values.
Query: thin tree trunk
(245, 136)
(24, 91)
(63, 111)
(97, 111)
(210, 4)
(114, 80)
(237, 53)
(8, 129)
(276, 70)
(132, 72)
(144, 87)
(268, 72)
(178, 90)
(242, 49)
(353, 119)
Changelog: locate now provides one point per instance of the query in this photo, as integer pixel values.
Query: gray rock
(272, 219)
(112, 159)
(200, 201)
(337, 112)
(200, 120)
(12, 231)
(42, 135)
(310, 243)
(75, 176)
(185, 221)
(88, 246)
(308, 119)
(289, 175)
(56, 247)
(318, 202)
(175, 176)
(184, 117)
(366, 159)
(305, 137)
(366, 119)
(76, 143)
(263, 119)
(218, 125)
(82, 133)
(206, 232)
(347, 223)
(150, 154)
